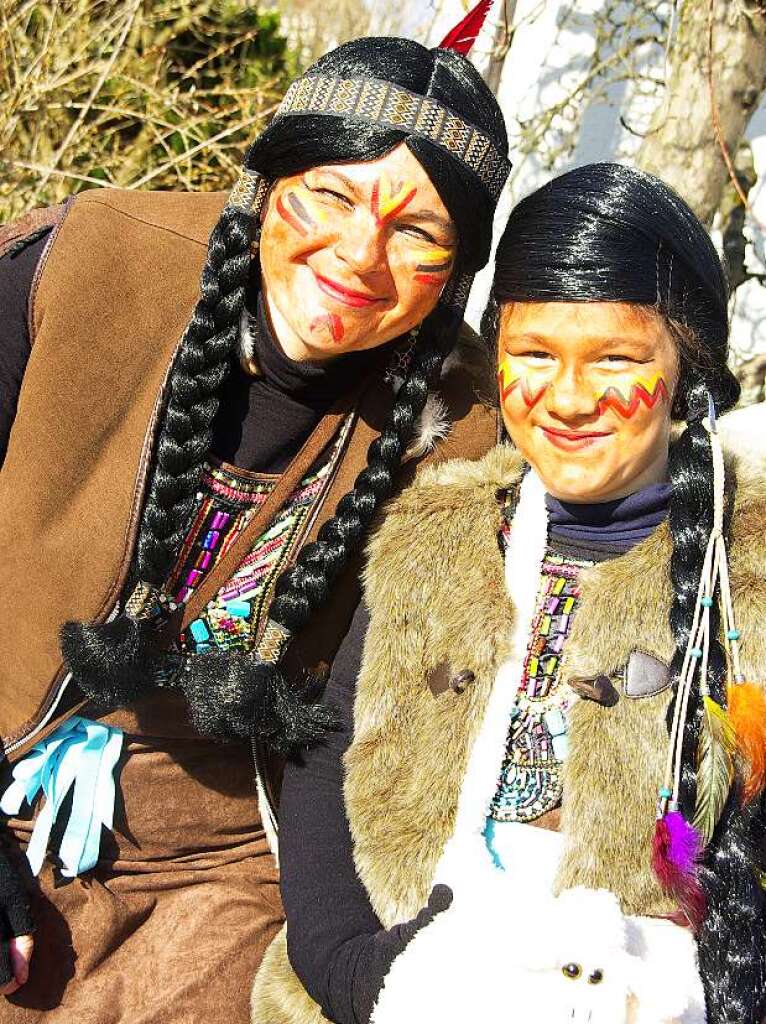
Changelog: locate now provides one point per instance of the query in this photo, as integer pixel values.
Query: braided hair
(115, 662)
(605, 232)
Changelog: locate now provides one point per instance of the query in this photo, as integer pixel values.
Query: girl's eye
(536, 354)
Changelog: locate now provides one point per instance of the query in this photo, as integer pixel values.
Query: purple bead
(211, 539)
(557, 643)
(551, 605)
(219, 519)
(192, 578)
(205, 559)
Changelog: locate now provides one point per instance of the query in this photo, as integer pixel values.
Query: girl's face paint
(353, 255)
(586, 391)
(648, 392)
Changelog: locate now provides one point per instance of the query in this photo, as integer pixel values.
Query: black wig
(605, 232)
(115, 662)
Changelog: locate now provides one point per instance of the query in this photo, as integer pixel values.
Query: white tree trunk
(682, 146)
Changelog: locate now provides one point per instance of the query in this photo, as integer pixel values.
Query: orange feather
(747, 714)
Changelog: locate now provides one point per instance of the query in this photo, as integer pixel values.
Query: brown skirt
(171, 925)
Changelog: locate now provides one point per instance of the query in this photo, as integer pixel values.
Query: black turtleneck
(262, 421)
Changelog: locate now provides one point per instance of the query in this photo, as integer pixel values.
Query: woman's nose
(363, 247)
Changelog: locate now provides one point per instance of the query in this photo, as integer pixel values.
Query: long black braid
(230, 693)
(606, 232)
(202, 365)
(732, 939)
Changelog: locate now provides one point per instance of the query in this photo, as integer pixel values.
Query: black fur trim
(232, 695)
(114, 663)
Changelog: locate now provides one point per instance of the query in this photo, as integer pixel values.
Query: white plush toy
(572, 959)
(594, 967)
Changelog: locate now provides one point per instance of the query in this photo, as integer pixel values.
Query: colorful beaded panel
(530, 777)
(227, 502)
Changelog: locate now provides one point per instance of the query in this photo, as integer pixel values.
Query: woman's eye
(331, 194)
(536, 354)
(410, 229)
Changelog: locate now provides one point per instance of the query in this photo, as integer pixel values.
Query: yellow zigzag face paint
(508, 381)
(642, 392)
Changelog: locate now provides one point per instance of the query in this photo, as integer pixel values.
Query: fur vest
(111, 297)
(437, 594)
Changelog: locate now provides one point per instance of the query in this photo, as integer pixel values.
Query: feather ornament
(747, 714)
(462, 37)
(676, 848)
(715, 767)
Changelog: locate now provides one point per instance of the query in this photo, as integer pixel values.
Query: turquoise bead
(199, 631)
(666, 793)
(707, 602)
(733, 634)
(239, 609)
(696, 652)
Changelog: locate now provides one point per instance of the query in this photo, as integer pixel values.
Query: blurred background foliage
(133, 93)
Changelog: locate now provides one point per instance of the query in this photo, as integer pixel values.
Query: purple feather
(685, 843)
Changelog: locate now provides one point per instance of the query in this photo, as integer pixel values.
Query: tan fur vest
(111, 298)
(436, 591)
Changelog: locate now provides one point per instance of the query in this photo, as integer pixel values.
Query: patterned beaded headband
(378, 102)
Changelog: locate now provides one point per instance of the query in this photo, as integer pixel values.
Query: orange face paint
(386, 202)
(508, 381)
(646, 392)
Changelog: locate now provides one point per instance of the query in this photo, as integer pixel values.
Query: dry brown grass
(160, 94)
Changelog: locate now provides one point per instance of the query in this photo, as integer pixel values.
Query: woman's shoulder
(186, 215)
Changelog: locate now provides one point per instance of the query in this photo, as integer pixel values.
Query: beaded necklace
(530, 777)
(227, 501)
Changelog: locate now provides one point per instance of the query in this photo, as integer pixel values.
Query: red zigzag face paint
(509, 381)
(642, 392)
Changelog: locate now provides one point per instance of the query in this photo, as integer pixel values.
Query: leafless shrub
(131, 93)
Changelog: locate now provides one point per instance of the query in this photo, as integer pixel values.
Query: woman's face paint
(353, 255)
(586, 391)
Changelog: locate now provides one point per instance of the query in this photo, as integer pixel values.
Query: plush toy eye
(596, 977)
(572, 971)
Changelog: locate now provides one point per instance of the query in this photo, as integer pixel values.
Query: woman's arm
(16, 274)
(335, 942)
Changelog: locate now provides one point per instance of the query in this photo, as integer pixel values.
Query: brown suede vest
(111, 298)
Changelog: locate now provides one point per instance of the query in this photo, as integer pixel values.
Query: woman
(588, 675)
(165, 494)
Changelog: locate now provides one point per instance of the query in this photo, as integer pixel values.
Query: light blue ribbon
(80, 753)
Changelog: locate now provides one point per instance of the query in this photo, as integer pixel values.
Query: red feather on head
(462, 37)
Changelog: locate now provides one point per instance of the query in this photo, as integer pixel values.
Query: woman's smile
(346, 296)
